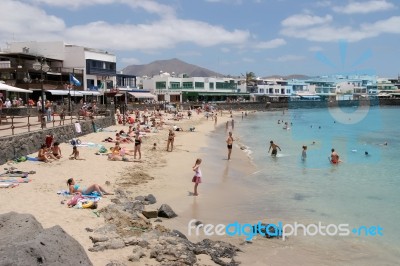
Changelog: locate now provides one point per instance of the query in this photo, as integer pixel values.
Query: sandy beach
(166, 175)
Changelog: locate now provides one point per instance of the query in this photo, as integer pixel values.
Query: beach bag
(72, 202)
(102, 149)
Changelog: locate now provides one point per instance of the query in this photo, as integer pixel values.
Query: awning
(5, 87)
(94, 93)
(65, 92)
(142, 95)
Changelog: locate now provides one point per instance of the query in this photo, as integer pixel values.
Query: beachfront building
(93, 69)
(181, 88)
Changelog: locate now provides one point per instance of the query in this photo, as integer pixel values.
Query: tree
(250, 81)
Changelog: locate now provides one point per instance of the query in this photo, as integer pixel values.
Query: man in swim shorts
(274, 148)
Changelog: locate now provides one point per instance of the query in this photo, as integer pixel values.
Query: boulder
(150, 214)
(23, 241)
(166, 211)
(150, 198)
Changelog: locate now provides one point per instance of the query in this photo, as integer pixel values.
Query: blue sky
(231, 37)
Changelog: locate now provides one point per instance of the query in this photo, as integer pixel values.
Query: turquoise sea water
(361, 191)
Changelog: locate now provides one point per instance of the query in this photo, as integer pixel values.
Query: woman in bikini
(171, 137)
(76, 188)
(138, 144)
(42, 154)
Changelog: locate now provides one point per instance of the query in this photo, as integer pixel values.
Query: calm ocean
(361, 191)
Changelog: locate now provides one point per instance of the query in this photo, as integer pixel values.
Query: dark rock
(158, 220)
(115, 263)
(178, 234)
(270, 233)
(150, 198)
(150, 214)
(217, 250)
(198, 223)
(23, 241)
(166, 211)
(89, 229)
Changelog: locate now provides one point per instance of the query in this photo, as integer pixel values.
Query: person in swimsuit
(274, 148)
(76, 188)
(171, 137)
(304, 153)
(75, 154)
(42, 154)
(56, 150)
(229, 143)
(197, 176)
(334, 157)
(138, 142)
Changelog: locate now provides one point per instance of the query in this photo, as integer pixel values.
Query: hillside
(288, 77)
(172, 65)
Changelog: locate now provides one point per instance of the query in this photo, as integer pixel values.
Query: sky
(231, 37)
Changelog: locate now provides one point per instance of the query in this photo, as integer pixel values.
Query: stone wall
(30, 142)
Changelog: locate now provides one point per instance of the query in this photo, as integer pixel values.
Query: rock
(198, 223)
(150, 198)
(271, 231)
(115, 263)
(89, 229)
(114, 243)
(140, 198)
(166, 211)
(178, 234)
(133, 206)
(23, 241)
(158, 220)
(137, 254)
(150, 214)
(96, 239)
(217, 250)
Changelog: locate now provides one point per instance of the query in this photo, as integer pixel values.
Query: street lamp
(41, 66)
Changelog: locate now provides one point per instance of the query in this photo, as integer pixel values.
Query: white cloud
(323, 3)
(225, 50)
(305, 20)
(270, 44)
(287, 58)
(24, 22)
(329, 33)
(364, 7)
(149, 6)
(315, 49)
(32, 23)
(130, 61)
(248, 60)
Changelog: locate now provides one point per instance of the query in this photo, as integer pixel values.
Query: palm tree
(250, 81)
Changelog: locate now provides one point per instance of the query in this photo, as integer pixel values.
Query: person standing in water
(274, 148)
(197, 176)
(304, 153)
(334, 157)
(229, 142)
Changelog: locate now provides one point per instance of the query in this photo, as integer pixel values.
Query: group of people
(50, 151)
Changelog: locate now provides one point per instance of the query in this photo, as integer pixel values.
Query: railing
(22, 124)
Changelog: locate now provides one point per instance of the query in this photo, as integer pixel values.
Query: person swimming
(334, 157)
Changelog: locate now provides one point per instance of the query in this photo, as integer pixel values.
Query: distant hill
(294, 76)
(172, 65)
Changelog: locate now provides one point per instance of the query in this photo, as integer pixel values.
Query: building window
(199, 85)
(211, 85)
(187, 85)
(161, 85)
(175, 85)
(261, 90)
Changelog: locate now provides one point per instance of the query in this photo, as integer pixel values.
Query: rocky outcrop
(23, 241)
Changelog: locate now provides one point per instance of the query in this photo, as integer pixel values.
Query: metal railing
(14, 124)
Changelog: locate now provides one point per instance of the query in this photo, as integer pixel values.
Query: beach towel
(78, 128)
(22, 175)
(6, 179)
(32, 159)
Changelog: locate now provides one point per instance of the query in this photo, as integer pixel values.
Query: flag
(74, 80)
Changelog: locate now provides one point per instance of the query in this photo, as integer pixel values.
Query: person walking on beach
(215, 119)
(171, 137)
(233, 124)
(229, 142)
(304, 153)
(197, 176)
(274, 148)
